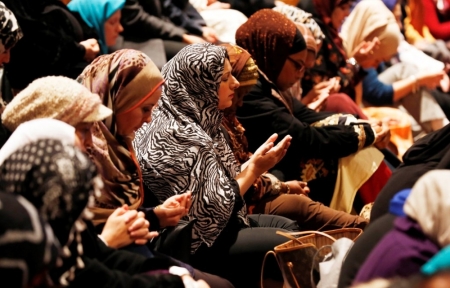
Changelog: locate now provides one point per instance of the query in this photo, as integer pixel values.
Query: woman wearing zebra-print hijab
(185, 149)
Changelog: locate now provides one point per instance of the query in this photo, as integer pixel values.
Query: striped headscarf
(183, 148)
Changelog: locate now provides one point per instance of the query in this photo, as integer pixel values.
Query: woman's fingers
(143, 240)
(130, 216)
(272, 138)
(138, 224)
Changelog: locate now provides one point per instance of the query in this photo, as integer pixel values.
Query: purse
(176, 241)
(296, 257)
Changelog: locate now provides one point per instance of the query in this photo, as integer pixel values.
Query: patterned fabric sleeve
(198, 170)
(366, 134)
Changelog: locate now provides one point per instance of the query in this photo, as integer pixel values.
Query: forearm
(404, 87)
(246, 179)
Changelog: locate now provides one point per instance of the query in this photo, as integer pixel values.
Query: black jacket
(50, 45)
(428, 153)
(146, 19)
(262, 114)
(248, 7)
(111, 268)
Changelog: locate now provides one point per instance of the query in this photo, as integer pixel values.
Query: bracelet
(352, 61)
(414, 78)
(288, 189)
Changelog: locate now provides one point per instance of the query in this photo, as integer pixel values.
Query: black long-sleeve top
(143, 20)
(50, 45)
(263, 114)
(111, 268)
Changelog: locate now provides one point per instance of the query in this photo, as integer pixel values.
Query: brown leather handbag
(296, 256)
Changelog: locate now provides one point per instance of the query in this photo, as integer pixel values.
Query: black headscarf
(27, 244)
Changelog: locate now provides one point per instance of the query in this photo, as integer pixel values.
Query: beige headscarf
(54, 97)
(369, 19)
(429, 203)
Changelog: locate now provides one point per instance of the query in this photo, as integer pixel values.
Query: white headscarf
(369, 19)
(429, 205)
(38, 129)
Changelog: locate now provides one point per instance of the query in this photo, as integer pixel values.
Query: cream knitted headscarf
(429, 203)
(371, 19)
(55, 97)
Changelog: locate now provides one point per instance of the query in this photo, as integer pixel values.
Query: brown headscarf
(124, 80)
(268, 36)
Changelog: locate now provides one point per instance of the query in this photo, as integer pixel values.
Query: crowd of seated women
(162, 143)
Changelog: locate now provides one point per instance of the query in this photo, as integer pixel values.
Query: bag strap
(313, 284)
(291, 235)
(264, 264)
(289, 264)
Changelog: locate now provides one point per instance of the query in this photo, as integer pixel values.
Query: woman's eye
(224, 80)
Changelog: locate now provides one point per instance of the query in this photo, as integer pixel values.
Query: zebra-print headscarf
(183, 148)
(10, 32)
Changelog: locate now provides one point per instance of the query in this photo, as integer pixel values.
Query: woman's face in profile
(292, 71)
(113, 28)
(227, 87)
(339, 14)
(128, 123)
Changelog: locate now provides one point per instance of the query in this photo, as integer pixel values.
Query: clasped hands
(125, 226)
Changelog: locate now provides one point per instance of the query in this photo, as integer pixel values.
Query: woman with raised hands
(184, 149)
(269, 195)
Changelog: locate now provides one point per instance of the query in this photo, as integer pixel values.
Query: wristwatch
(352, 61)
(288, 189)
(276, 187)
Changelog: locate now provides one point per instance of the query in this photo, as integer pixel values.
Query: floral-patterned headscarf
(124, 80)
(298, 16)
(322, 11)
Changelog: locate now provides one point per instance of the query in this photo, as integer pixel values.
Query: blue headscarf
(95, 13)
(398, 201)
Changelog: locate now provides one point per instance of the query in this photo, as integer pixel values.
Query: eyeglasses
(300, 67)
